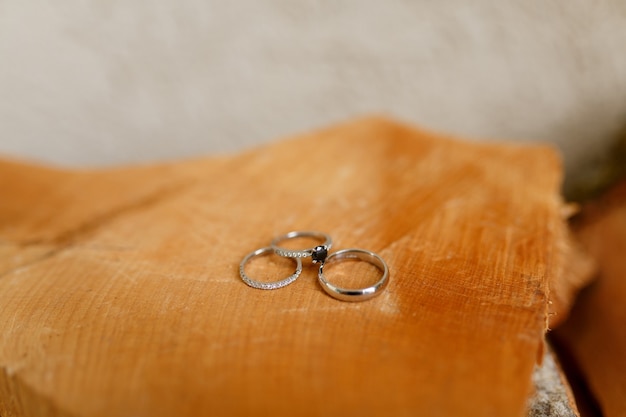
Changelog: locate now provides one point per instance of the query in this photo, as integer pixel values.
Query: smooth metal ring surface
(358, 294)
(267, 285)
(317, 253)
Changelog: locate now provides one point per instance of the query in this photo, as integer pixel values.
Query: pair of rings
(318, 254)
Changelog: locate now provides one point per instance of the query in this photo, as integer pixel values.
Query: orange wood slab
(595, 334)
(120, 294)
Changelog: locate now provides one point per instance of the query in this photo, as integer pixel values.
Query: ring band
(267, 285)
(317, 253)
(359, 294)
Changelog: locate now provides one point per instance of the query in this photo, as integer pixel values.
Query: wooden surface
(120, 295)
(595, 335)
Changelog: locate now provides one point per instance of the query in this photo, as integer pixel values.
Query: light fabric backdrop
(108, 81)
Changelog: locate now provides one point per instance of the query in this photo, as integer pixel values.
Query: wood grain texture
(595, 334)
(120, 295)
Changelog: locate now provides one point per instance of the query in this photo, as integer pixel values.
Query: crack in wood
(68, 239)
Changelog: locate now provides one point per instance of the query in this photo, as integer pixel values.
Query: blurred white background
(105, 82)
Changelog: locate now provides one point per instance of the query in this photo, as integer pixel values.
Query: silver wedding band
(354, 294)
(317, 254)
(267, 285)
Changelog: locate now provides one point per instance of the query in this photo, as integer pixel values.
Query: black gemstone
(319, 254)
